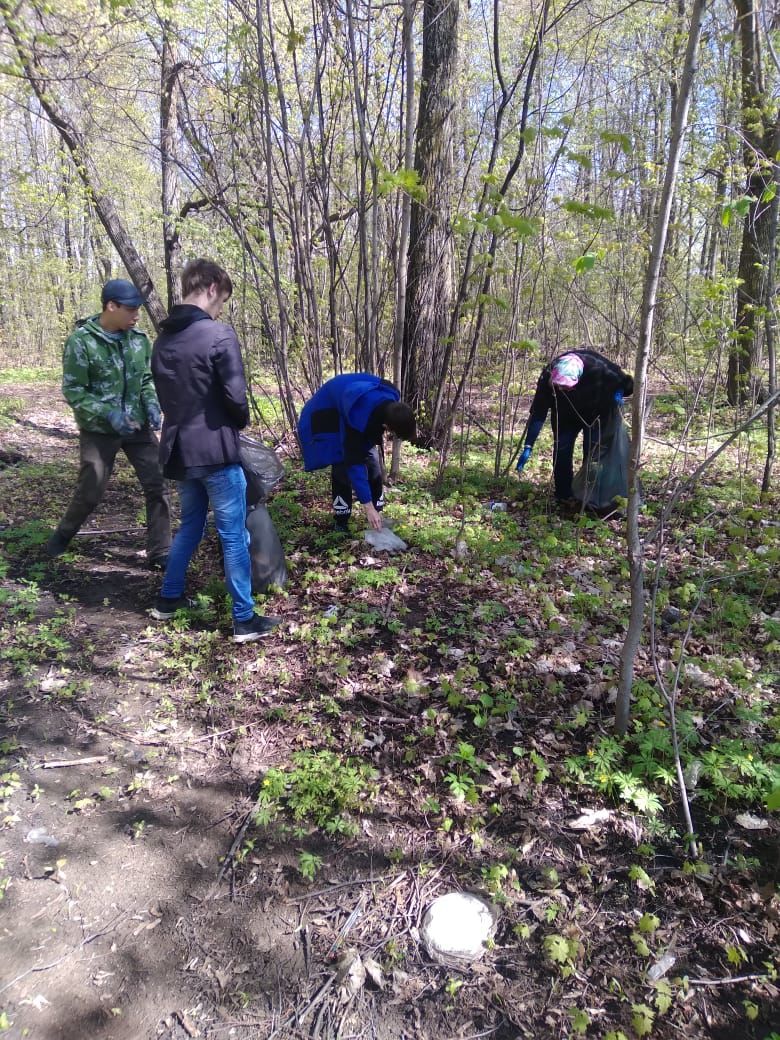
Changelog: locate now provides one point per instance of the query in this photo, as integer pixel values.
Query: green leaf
(735, 955)
(587, 209)
(407, 181)
(648, 923)
(556, 949)
(584, 263)
(646, 801)
(582, 158)
(642, 1018)
(580, 1020)
(642, 878)
(663, 996)
(294, 40)
(751, 1010)
(611, 137)
(522, 226)
(773, 800)
(738, 208)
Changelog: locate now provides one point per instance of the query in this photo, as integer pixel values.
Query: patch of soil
(141, 900)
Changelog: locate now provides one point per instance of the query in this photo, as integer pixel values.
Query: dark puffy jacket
(337, 425)
(199, 377)
(593, 397)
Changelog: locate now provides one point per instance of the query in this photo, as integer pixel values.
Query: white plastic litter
(456, 927)
(590, 818)
(38, 836)
(664, 964)
(385, 540)
(751, 822)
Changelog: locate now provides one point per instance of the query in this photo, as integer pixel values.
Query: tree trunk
(406, 212)
(761, 137)
(430, 278)
(281, 355)
(649, 298)
(171, 201)
(771, 350)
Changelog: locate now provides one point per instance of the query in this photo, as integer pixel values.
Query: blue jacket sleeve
(358, 478)
(533, 431)
(540, 406)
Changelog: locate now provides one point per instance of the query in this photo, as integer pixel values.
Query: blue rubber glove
(618, 397)
(121, 423)
(154, 416)
(525, 455)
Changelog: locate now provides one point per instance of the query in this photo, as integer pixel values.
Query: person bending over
(579, 389)
(341, 427)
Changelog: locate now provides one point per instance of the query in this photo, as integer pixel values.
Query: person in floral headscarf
(580, 389)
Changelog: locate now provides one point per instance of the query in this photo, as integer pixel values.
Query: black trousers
(342, 489)
(563, 454)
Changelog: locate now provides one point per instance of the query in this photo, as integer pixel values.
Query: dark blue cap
(121, 291)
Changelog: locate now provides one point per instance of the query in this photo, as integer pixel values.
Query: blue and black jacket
(338, 425)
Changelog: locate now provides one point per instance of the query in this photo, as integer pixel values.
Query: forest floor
(204, 840)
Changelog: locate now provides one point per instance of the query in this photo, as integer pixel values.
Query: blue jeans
(225, 489)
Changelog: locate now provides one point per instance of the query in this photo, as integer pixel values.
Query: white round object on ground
(456, 927)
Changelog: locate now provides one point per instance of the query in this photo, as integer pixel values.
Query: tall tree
(430, 285)
(647, 320)
(760, 144)
(169, 173)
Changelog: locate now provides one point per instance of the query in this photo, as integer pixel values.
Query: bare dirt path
(113, 925)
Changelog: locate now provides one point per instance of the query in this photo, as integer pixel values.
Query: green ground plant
(320, 788)
(640, 769)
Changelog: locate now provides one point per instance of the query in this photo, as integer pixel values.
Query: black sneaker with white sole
(256, 627)
(165, 607)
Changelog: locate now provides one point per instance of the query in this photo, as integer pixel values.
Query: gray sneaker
(255, 627)
(165, 607)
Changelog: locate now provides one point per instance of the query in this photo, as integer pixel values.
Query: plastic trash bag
(603, 476)
(264, 471)
(384, 540)
(265, 551)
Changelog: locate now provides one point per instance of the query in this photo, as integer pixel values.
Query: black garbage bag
(265, 550)
(603, 476)
(264, 471)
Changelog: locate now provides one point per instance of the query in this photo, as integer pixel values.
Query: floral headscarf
(566, 371)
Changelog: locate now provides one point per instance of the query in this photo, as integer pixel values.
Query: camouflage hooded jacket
(99, 374)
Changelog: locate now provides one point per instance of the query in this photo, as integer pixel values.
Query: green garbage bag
(603, 476)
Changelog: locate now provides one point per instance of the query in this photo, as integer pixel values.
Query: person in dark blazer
(199, 377)
(580, 389)
(341, 427)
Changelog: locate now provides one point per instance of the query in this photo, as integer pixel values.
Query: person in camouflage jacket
(107, 381)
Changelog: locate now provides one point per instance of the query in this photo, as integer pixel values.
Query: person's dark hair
(198, 275)
(399, 417)
(628, 384)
